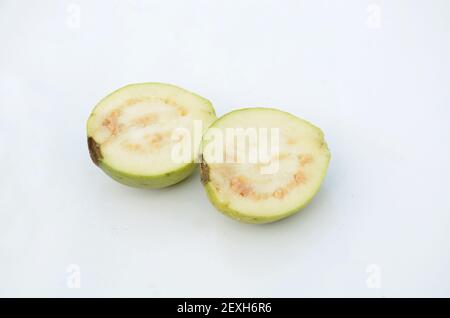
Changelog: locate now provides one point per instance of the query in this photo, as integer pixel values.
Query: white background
(374, 75)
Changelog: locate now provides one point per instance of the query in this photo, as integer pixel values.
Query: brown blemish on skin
(94, 151)
(204, 171)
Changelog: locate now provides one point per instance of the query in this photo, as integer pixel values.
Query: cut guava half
(285, 176)
(132, 133)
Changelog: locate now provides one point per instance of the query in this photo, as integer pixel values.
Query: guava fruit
(132, 133)
(259, 165)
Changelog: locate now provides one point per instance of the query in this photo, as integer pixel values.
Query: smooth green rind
(148, 182)
(241, 216)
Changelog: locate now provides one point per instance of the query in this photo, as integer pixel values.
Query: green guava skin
(138, 181)
(141, 181)
(247, 218)
(150, 182)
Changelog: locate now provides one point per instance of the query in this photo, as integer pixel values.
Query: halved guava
(264, 178)
(133, 131)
